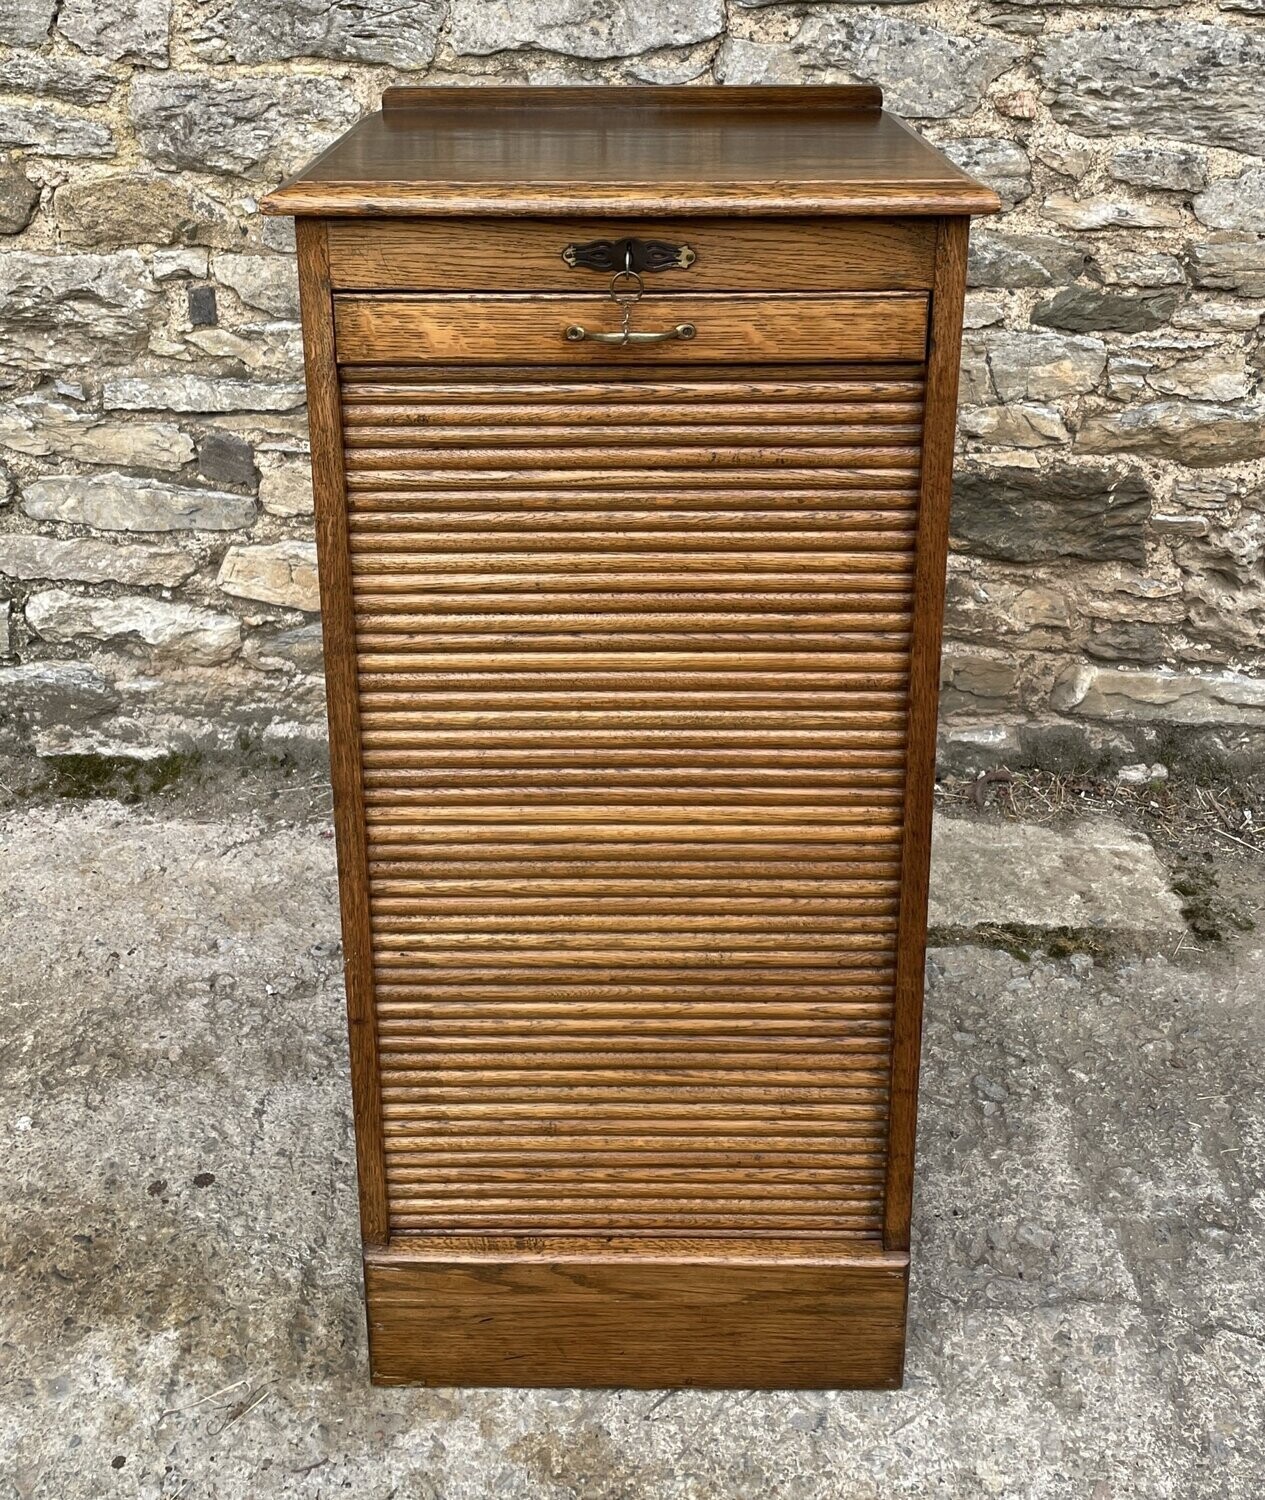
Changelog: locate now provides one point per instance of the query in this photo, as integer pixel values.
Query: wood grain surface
(633, 744)
(632, 666)
(924, 689)
(637, 1322)
(338, 624)
(886, 326)
(534, 150)
(507, 255)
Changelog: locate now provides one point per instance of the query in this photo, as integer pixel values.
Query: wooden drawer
(486, 255)
(880, 327)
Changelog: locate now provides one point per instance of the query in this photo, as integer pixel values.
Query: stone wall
(1107, 588)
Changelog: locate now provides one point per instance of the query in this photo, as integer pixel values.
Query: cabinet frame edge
(342, 702)
(944, 342)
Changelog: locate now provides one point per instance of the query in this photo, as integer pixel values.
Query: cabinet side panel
(943, 354)
(338, 625)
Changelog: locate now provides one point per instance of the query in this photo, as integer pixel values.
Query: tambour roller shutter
(633, 659)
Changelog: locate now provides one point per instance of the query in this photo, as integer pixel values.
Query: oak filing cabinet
(632, 422)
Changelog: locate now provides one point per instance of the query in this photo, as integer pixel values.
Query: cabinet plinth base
(437, 1319)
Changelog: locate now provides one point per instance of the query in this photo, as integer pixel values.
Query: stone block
(1065, 155)
(199, 123)
(1184, 81)
(203, 305)
(1109, 213)
(1019, 425)
(91, 560)
(122, 30)
(975, 383)
(261, 31)
(43, 428)
(985, 609)
(187, 631)
(269, 282)
(742, 60)
(974, 682)
(1197, 433)
(1234, 203)
(271, 348)
(19, 197)
(1172, 168)
(1230, 264)
(61, 310)
(1147, 268)
(925, 71)
(1023, 260)
(48, 132)
(1089, 309)
(288, 648)
(127, 208)
(615, 28)
(1128, 640)
(26, 23)
(282, 573)
(200, 393)
(1043, 366)
(1223, 581)
(1161, 695)
(225, 458)
(1218, 374)
(286, 490)
(119, 502)
(173, 265)
(73, 79)
(1037, 515)
(1093, 874)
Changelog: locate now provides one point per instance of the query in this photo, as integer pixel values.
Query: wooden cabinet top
(633, 151)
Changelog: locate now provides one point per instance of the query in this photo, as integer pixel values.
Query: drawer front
(729, 255)
(633, 660)
(876, 328)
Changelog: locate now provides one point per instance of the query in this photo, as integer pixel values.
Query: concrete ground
(180, 1310)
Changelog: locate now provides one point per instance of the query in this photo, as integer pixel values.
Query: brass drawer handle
(576, 334)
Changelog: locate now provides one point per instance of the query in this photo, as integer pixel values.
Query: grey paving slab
(1095, 873)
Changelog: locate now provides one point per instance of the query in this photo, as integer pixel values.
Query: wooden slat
(409, 420)
(887, 607)
(892, 543)
(400, 384)
(569, 900)
(731, 463)
(864, 427)
(722, 485)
